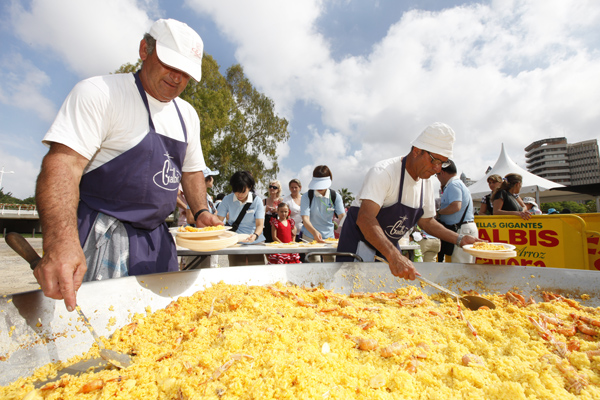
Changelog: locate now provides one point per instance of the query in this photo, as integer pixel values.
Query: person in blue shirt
(245, 213)
(456, 213)
(319, 205)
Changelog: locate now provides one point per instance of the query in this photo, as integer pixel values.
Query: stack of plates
(207, 240)
(507, 252)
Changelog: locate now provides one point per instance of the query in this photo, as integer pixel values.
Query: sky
(357, 80)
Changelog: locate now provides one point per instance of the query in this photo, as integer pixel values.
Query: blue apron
(395, 220)
(139, 188)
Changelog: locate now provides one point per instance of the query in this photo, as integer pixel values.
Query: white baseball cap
(208, 172)
(178, 46)
(437, 138)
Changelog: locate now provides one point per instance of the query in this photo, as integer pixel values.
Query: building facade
(567, 163)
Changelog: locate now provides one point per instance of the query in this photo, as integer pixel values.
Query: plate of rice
(190, 232)
(492, 251)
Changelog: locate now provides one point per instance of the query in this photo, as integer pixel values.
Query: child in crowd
(283, 230)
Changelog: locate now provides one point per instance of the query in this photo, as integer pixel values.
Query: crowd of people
(297, 217)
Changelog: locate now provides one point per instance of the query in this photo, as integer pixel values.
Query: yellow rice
(487, 246)
(285, 342)
(205, 229)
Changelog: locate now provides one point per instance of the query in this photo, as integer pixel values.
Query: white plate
(508, 252)
(225, 239)
(202, 234)
(295, 245)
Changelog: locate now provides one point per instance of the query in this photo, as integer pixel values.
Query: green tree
(575, 208)
(8, 198)
(249, 142)
(347, 197)
(590, 206)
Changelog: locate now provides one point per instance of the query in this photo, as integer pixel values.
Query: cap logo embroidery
(196, 51)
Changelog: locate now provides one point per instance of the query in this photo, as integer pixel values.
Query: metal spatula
(18, 243)
(471, 302)
(117, 359)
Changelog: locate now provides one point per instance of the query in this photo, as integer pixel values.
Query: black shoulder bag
(240, 217)
(448, 247)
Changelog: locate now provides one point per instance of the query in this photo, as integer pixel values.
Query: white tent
(532, 184)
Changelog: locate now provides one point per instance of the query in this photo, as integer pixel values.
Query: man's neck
(410, 167)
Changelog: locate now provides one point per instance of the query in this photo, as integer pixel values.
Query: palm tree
(347, 197)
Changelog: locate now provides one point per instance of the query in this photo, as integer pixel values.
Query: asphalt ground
(15, 274)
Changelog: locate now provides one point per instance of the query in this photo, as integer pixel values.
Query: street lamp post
(2, 172)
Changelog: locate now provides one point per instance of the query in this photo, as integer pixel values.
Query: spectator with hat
(455, 213)
(319, 205)
(209, 182)
(532, 206)
(396, 195)
(552, 211)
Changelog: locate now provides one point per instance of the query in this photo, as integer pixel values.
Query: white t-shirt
(294, 211)
(104, 116)
(382, 185)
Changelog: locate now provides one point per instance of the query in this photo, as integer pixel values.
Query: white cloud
(498, 72)
(22, 86)
(91, 37)
(22, 183)
(502, 72)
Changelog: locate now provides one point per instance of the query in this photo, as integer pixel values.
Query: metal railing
(7, 209)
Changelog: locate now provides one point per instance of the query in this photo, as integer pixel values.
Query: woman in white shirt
(293, 202)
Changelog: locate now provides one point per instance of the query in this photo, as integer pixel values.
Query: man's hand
(60, 273)
(207, 219)
(468, 239)
(318, 237)
(402, 267)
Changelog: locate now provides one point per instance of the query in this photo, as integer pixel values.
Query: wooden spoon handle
(18, 243)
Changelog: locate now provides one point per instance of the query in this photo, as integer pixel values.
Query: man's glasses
(273, 187)
(437, 161)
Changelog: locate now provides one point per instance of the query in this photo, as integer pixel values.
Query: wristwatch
(459, 239)
(199, 212)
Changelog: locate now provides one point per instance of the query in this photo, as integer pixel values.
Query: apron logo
(397, 230)
(169, 177)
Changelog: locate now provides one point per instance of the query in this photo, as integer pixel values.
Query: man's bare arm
(450, 208)
(194, 187)
(400, 266)
(61, 270)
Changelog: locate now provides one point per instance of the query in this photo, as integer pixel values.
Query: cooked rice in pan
(285, 342)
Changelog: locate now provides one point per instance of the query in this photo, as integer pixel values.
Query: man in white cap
(119, 147)
(396, 195)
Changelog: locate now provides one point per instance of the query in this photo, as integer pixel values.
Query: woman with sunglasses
(271, 204)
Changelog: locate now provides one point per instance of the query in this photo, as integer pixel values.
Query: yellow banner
(592, 222)
(556, 241)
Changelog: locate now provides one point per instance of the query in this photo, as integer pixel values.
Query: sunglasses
(437, 161)
(273, 187)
